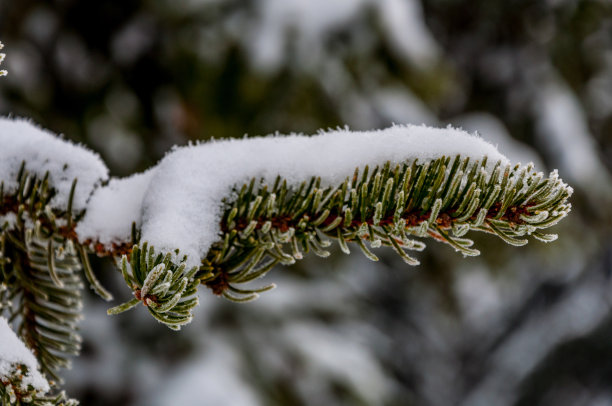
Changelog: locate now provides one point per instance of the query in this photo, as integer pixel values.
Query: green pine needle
(442, 199)
(40, 272)
(165, 288)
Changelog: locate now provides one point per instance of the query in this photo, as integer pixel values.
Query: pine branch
(387, 206)
(11, 393)
(21, 382)
(166, 289)
(265, 225)
(262, 225)
(40, 272)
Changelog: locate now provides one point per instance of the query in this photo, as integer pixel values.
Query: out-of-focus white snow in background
(345, 331)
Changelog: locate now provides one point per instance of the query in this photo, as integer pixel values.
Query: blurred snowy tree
(132, 78)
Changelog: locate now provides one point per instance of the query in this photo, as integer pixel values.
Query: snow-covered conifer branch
(224, 213)
(165, 288)
(40, 203)
(40, 268)
(21, 381)
(285, 196)
(388, 205)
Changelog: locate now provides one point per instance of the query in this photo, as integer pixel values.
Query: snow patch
(330, 354)
(14, 353)
(21, 140)
(213, 379)
(113, 208)
(311, 22)
(404, 23)
(563, 130)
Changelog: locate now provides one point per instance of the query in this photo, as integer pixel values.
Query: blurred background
(515, 326)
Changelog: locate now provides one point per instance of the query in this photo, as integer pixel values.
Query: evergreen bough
(41, 258)
(11, 393)
(263, 225)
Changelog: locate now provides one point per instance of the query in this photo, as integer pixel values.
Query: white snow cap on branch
(14, 353)
(113, 208)
(21, 140)
(182, 196)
